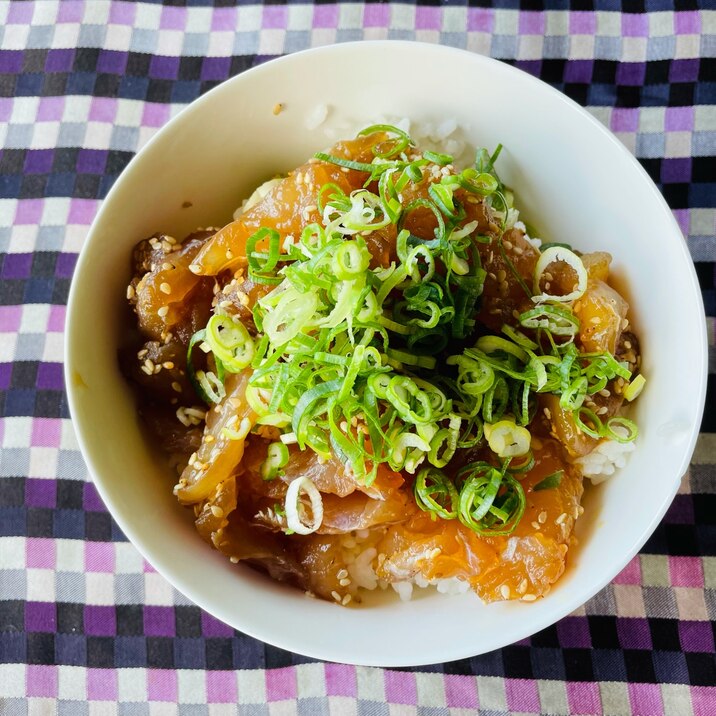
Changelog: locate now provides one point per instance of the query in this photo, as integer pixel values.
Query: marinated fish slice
(525, 562)
(271, 553)
(214, 513)
(160, 369)
(288, 207)
(333, 477)
(503, 296)
(219, 455)
(357, 511)
(601, 312)
(169, 299)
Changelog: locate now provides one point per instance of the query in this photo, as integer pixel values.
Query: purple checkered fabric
(86, 626)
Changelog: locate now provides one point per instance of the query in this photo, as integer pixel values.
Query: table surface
(86, 626)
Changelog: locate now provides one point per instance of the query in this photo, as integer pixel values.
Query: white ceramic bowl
(573, 179)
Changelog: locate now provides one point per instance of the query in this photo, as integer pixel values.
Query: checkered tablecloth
(86, 626)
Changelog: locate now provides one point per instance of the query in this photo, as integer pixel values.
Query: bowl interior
(572, 179)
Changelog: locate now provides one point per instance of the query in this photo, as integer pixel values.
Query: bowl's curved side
(578, 183)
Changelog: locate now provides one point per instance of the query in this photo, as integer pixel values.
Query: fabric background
(86, 626)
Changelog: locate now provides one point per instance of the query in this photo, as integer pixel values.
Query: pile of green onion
(355, 362)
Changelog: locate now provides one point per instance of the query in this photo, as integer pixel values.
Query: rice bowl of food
(373, 346)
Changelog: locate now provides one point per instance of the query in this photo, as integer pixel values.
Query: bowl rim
(329, 652)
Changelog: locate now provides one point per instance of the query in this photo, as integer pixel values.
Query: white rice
(604, 460)
(316, 117)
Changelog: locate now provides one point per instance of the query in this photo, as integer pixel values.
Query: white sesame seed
(234, 560)
(529, 598)
(168, 364)
(542, 518)
(505, 591)
(162, 312)
(336, 596)
(344, 582)
(131, 293)
(342, 574)
(165, 288)
(195, 268)
(346, 600)
(176, 387)
(217, 511)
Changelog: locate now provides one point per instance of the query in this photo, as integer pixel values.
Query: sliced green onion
(437, 158)
(549, 256)
(276, 458)
(481, 502)
(478, 182)
(519, 338)
(491, 344)
(555, 319)
(230, 342)
(427, 362)
(211, 386)
(593, 427)
(634, 388)
(240, 434)
(622, 425)
(351, 259)
(549, 482)
(402, 142)
(412, 404)
(196, 339)
(435, 493)
(347, 163)
(524, 465)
